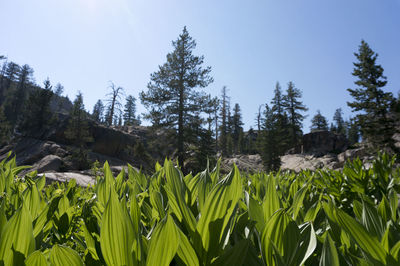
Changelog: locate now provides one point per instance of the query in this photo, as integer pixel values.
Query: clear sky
(250, 45)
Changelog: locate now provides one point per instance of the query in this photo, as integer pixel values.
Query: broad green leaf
(185, 250)
(256, 214)
(237, 255)
(312, 212)
(371, 220)
(32, 200)
(394, 201)
(298, 200)
(368, 243)
(3, 218)
(384, 209)
(271, 201)
(175, 188)
(17, 235)
(205, 185)
(164, 243)
(61, 256)
(90, 243)
(395, 251)
(40, 182)
(36, 259)
(157, 202)
(329, 256)
(280, 238)
(116, 233)
(104, 185)
(308, 243)
(217, 212)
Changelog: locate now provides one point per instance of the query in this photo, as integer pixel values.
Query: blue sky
(250, 45)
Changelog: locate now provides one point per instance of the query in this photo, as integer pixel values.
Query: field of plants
(312, 218)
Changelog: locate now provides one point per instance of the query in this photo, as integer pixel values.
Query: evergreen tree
(259, 117)
(78, 128)
(5, 128)
(37, 115)
(130, 111)
(98, 110)
(47, 84)
(339, 122)
(16, 102)
(237, 134)
(113, 104)
(224, 121)
(282, 124)
(78, 132)
(59, 90)
(369, 98)
(171, 97)
(10, 74)
(353, 131)
(319, 122)
(294, 108)
(268, 144)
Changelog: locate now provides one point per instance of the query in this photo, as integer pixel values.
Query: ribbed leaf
(271, 201)
(281, 238)
(256, 214)
(217, 212)
(372, 221)
(298, 200)
(329, 256)
(17, 235)
(185, 250)
(32, 200)
(368, 243)
(104, 185)
(36, 259)
(164, 243)
(116, 233)
(175, 188)
(61, 256)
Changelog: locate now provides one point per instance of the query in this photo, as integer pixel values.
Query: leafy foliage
(324, 217)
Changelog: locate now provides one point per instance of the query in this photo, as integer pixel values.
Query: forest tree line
(202, 127)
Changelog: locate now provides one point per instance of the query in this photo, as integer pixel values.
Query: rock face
(245, 163)
(351, 154)
(299, 162)
(48, 163)
(323, 142)
(81, 178)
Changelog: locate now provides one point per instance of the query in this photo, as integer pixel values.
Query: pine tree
(130, 111)
(294, 108)
(171, 97)
(10, 74)
(5, 128)
(78, 129)
(59, 90)
(98, 110)
(268, 144)
(258, 118)
(352, 131)
(113, 104)
(318, 122)
(370, 99)
(282, 124)
(237, 133)
(37, 116)
(339, 122)
(224, 121)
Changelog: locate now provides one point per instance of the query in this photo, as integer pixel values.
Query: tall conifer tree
(294, 107)
(172, 98)
(370, 100)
